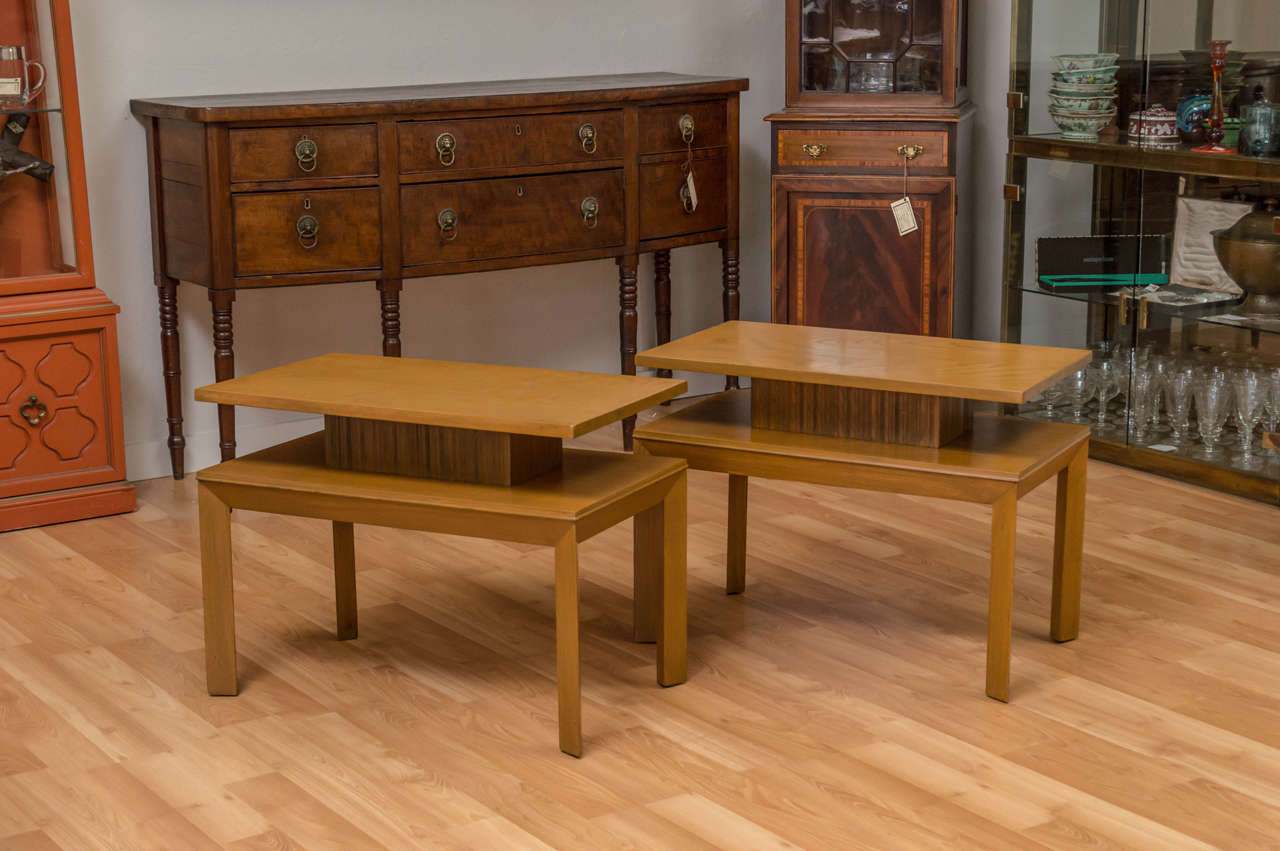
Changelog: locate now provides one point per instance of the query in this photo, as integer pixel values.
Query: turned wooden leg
(224, 366)
(673, 630)
(219, 604)
(735, 581)
(662, 301)
(646, 582)
(1068, 548)
(1004, 520)
(389, 290)
(729, 254)
(568, 651)
(344, 578)
(171, 355)
(627, 331)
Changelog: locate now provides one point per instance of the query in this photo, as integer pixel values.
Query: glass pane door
(871, 46)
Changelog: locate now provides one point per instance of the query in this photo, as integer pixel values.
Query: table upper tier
(903, 363)
(514, 399)
(438, 97)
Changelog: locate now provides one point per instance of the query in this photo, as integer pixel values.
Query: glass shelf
(1180, 160)
(30, 110)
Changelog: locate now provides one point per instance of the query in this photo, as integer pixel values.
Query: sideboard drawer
(273, 234)
(294, 153)
(662, 210)
(817, 149)
(660, 126)
(512, 217)
(517, 140)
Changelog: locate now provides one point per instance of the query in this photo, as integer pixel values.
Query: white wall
(558, 316)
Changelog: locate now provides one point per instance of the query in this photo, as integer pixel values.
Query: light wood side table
(886, 412)
(462, 449)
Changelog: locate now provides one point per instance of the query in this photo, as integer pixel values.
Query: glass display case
(44, 230)
(1143, 184)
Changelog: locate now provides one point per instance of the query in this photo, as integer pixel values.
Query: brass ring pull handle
(910, 152)
(446, 147)
(590, 212)
(686, 128)
(308, 232)
(686, 199)
(447, 220)
(306, 152)
(587, 135)
(40, 411)
(814, 150)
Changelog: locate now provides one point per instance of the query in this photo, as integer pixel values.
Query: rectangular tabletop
(901, 363)
(484, 397)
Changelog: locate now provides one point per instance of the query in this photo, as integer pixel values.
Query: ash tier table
(887, 412)
(288, 188)
(462, 449)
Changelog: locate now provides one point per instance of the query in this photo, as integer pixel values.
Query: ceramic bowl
(1084, 89)
(1085, 61)
(1088, 75)
(1083, 126)
(1071, 102)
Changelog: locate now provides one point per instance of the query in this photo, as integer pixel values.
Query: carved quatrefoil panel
(11, 375)
(69, 433)
(64, 369)
(13, 442)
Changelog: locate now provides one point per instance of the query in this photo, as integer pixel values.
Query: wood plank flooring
(837, 704)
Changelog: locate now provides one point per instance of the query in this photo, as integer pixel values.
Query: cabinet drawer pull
(686, 199)
(446, 147)
(587, 135)
(447, 220)
(37, 407)
(308, 231)
(590, 212)
(910, 152)
(306, 152)
(686, 128)
(814, 150)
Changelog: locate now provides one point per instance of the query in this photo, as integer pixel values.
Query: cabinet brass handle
(587, 135)
(686, 199)
(447, 220)
(910, 152)
(686, 128)
(590, 212)
(306, 152)
(308, 231)
(446, 147)
(814, 150)
(39, 411)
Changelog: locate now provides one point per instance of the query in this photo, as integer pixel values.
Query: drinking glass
(1272, 402)
(1247, 394)
(1213, 403)
(1050, 400)
(1144, 392)
(1103, 380)
(1078, 391)
(1177, 398)
(1161, 366)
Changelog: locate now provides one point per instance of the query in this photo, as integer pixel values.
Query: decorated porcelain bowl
(1156, 126)
(1093, 76)
(1083, 126)
(1072, 102)
(1084, 89)
(1085, 61)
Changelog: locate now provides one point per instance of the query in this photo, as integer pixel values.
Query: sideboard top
(494, 94)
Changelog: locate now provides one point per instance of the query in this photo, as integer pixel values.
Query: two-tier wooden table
(886, 412)
(462, 449)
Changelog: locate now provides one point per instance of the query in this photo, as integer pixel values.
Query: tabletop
(903, 363)
(485, 397)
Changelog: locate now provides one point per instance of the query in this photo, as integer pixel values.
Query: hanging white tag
(904, 216)
(691, 192)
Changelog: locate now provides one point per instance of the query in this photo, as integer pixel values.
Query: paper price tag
(691, 191)
(904, 216)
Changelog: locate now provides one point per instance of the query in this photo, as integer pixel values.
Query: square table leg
(646, 585)
(1068, 548)
(568, 650)
(344, 579)
(735, 581)
(1004, 520)
(673, 628)
(219, 603)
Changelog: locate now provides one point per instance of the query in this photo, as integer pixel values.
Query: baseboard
(150, 459)
(64, 506)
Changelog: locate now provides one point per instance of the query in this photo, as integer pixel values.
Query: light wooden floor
(838, 704)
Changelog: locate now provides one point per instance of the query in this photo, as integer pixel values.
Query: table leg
(646, 582)
(674, 630)
(1068, 548)
(627, 330)
(344, 578)
(1004, 519)
(219, 601)
(389, 291)
(224, 366)
(171, 355)
(662, 301)
(568, 650)
(729, 254)
(735, 581)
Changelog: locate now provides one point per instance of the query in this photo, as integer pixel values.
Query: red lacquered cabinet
(61, 443)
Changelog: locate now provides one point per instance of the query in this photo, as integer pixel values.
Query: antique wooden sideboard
(283, 189)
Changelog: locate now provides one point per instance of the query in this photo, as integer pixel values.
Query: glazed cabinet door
(840, 262)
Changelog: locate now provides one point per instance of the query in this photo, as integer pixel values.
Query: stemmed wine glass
(1247, 391)
(1050, 399)
(1105, 385)
(1144, 393)
(1213, 403)
(1161, 366)
(1177, 398)
(1078, 391)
